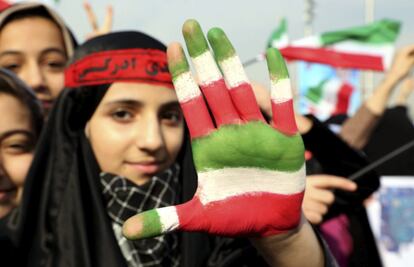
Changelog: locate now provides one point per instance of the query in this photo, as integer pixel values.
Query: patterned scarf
(125, 199)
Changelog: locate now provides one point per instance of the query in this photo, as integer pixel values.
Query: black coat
(333, 156)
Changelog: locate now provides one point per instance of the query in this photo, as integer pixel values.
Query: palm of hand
(251, 175)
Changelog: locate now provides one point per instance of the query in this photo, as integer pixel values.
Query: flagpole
(308, 17)
(369, 75)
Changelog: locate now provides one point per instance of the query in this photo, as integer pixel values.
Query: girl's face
(33, 48)
(17, 142)
(137, 130)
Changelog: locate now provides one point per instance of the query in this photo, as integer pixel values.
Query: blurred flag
(325, 91)
(279, 37)
(369, 47)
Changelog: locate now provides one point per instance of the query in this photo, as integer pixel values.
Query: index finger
(191, 100)
(91, 15)
(332, 182)
(107, 25)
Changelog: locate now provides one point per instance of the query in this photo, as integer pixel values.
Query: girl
(35, 43)
(115, 145)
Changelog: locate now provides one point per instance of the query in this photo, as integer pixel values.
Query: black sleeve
(337, 158)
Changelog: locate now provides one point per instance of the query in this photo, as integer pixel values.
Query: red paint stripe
(254, 214)
(343, 99)
(220, 103)
(245, 102)
(333, 58)
(284, 117)
(197, 117)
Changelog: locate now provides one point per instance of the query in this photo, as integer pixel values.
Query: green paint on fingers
(254, 144)
(221, 45)
(276, 64)
(194, 38)
(177, 63)
(150, 225)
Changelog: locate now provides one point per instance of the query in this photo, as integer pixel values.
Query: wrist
(282, 249)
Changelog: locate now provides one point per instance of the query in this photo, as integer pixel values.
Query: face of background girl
(16, 150)
(33, 48)
(137, 130)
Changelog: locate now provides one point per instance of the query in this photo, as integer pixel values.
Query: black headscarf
(63, 220)
(13, 86)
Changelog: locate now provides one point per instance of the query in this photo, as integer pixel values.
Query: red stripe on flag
(245, 102)
(284, 117)
(261, 213)
(333, 58)
(343, 99)
(197, 117)
(220, 103)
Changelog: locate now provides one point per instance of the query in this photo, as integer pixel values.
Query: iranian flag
(279, 37)
(325, 91)
(369, 47)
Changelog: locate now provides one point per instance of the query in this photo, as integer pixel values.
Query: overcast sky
(248, 23)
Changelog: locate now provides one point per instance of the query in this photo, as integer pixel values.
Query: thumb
(151, 223)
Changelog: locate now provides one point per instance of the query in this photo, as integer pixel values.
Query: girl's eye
(12, 67)
(56, 65)
(172, 117)
(122, 115)
(18, 148)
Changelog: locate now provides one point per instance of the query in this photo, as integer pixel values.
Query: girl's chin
(139, 180)
(5, 209)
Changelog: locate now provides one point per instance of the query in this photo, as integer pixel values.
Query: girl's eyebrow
(137, 103)
(127, 102)
(17, 131)
(171, 104)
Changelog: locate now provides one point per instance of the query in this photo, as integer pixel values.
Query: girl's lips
(148, 168)
(47, 104)
(7, 194)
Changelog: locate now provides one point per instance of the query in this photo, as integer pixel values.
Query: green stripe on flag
(232, 146)
(380, 32)
(315, 93)
(278, 33)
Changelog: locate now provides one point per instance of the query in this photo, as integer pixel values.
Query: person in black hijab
(75, 201)
(21, 121)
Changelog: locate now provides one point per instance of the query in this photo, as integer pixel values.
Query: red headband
(138, 65)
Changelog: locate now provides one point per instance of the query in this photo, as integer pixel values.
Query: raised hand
(319, 196)
(107, 24)
(251, 175)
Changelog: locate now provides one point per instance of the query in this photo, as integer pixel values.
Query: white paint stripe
(281, 90)
(220, 184)
(206, 68)
(233, 71)
(169, 218)
(185, 87)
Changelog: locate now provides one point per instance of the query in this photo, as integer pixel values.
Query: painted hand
(251, 175)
